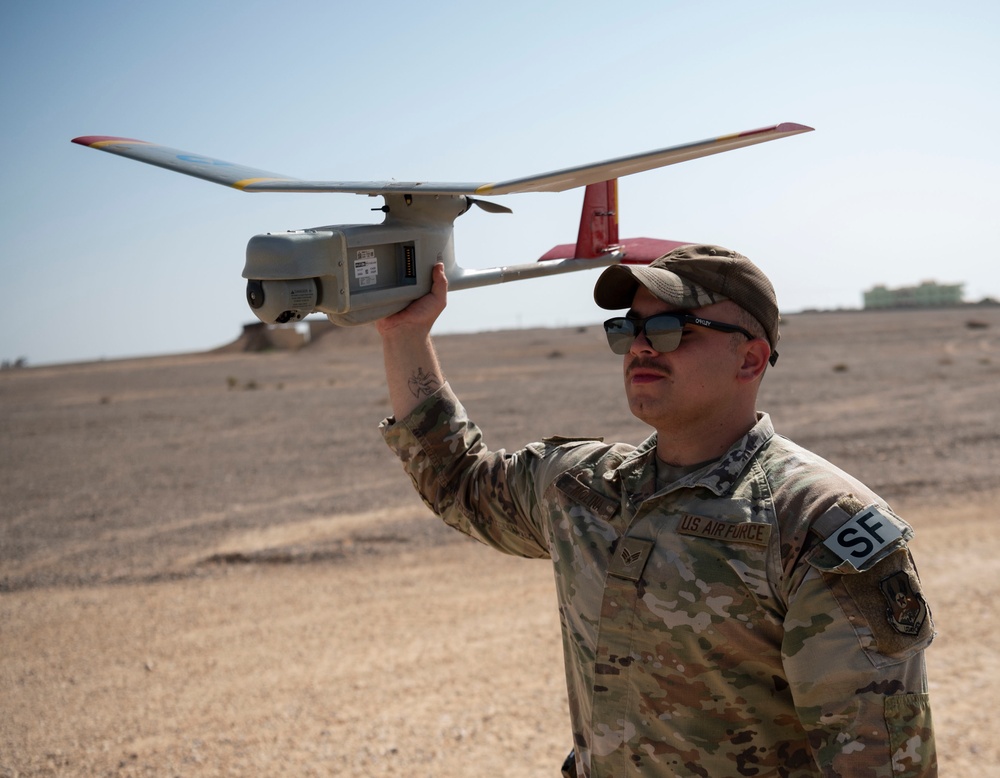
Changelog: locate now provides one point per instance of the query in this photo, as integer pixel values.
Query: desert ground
(211, 564)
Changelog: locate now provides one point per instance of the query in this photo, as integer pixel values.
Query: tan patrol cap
(694, 276)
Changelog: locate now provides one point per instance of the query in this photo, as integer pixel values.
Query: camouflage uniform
(751, 619)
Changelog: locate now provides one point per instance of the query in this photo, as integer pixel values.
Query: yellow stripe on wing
(100, 144)
(244, 183)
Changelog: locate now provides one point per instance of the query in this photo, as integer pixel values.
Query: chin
(644, 409)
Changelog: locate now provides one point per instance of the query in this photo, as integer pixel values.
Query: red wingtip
(92, 140)
(793, 127)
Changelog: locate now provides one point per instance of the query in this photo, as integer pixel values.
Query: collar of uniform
(637, 472)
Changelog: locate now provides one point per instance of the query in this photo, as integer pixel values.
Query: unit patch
(887, 608)
(729, 531)
(907, 609)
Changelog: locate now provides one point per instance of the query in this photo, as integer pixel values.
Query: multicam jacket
(760, 616)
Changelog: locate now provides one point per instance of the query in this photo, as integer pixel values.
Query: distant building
(929, 294)
(284, 337)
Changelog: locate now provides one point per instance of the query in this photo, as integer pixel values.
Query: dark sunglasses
(663, 331)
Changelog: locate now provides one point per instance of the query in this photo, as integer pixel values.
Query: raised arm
(412, 370)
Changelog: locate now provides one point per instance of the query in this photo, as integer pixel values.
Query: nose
(641, 344)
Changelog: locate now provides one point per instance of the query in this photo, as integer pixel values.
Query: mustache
(645, 363)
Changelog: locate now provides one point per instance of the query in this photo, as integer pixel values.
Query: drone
(357, 273)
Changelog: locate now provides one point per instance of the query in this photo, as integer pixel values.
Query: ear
(755, 353)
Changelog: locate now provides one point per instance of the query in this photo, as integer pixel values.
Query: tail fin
(599, 220)
(598, 224)
(598, 234)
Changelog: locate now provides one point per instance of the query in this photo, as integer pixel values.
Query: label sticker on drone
(366, 267)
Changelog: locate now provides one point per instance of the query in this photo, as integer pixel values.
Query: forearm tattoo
(422, 383)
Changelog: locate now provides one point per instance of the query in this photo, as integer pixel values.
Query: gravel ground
(210, 564)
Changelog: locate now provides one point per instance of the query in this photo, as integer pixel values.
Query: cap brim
(616, 287)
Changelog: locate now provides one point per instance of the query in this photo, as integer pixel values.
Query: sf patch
(907, 610)
(861, 538)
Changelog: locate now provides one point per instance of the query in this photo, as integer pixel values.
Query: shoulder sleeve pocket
(886, 607)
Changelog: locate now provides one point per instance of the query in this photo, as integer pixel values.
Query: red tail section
(599, 220)
(598, 234)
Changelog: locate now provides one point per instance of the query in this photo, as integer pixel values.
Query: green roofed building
(928, 295)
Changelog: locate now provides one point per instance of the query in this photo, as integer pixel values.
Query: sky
(104, 257)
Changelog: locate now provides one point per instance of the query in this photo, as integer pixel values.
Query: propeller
(486, 205)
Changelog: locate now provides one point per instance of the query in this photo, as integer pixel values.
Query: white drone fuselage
(354, 273)
(357, 273)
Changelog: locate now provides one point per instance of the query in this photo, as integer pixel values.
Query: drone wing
(214, 170)
(250, 179)
(584, 175)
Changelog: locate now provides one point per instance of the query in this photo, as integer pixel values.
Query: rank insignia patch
(907, 609)
(630, 558)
